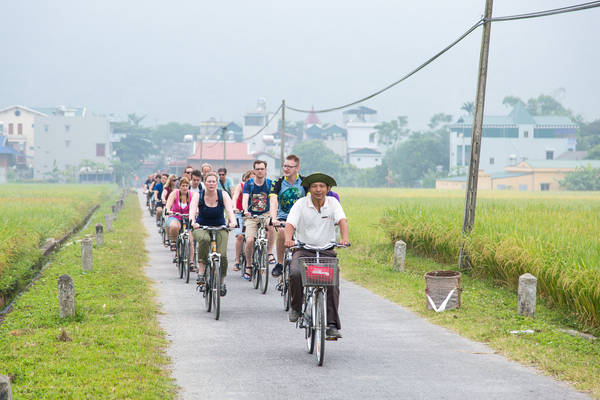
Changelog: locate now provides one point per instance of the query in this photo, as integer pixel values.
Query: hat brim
(318, 177)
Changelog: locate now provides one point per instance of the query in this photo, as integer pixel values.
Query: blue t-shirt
(287, 194)
(159, 188)
(258, 196)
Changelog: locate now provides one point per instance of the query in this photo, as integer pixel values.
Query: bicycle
(162, 230)
(242, 255)
(182, 248)
(212, 273)
(260, 262)
(318, 273)
(284, 281)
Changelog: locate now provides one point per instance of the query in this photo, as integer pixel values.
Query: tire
(165, 237)
(264, 271)
(207, 288)
(189, 261)
(217, 289)
(319, 332)
(308, 329)
(243, 259)
(285, 286)
(255, 268)
(180, 260)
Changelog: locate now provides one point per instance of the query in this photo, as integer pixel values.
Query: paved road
(387, 352)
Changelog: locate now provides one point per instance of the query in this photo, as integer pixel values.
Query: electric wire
(265, 125)
(482, 21)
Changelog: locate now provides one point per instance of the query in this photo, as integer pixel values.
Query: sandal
(272, 259)
(236, 267)
(173, 246)
(247, 275)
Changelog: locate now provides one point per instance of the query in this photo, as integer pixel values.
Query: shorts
(251, 226)
(240, 229)
(170, 221)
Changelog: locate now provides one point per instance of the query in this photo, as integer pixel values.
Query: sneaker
(277, 270)
(294, 315)
(333, 332)
(223, 290)
(200, 280)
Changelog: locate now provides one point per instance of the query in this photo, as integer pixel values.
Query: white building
(254, 122)
(508, 140)
(18, 125)
(363, 146)
(66, 141)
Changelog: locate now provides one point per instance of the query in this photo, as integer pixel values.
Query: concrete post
(66, 296)
(86, 254)
(108, 223)
(399, 255)
(114, 212)
(527, 293)
(5, 391)
(99, 235)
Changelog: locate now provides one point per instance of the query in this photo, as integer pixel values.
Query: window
(17, 113)
(45, 128)
(459, 155)
(549, 155)
(100, 149)
(20, 129)
(545, 186)
(492, 160)
(501, 187)
(67, 128)
(525, 134)
(523, 188)
(467, 154)
(11, 129)
(68, 143)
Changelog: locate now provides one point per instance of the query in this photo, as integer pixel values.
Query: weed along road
(386, 352)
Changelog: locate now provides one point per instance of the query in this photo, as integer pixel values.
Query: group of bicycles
(318, 273)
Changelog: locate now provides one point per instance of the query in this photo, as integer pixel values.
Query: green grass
(489, 308)
(33, 213)
(116, 349)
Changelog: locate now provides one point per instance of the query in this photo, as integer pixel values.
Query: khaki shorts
(251, 225)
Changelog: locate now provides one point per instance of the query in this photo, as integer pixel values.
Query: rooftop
(214, 151)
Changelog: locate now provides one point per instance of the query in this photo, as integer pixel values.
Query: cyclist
(225, 183)
(208, 209)
(196, 184)
(237, 203)
(187, 173)
(285, 190)
(168, 188)
(205, 168)
(255, 202)
(178, 202)
(158, 189)
(313, 218)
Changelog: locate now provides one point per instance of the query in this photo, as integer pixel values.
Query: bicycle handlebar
(300, 245)
(214, 228)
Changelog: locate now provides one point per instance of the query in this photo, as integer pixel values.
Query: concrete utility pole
(471, 198)
(282, 156)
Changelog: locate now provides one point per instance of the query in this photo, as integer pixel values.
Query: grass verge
(488, 313)
(113, 347)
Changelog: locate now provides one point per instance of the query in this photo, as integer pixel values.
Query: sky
(190, 60)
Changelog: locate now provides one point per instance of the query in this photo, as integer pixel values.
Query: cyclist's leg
(222, 238)
(239, 238)
(296, 289)
(280, 245)
(271, 239)
(333, 299)
(251, 231)
(203, 238)
(174, 226)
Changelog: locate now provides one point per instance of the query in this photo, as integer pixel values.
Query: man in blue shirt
(285, 190)
(256, 203)
(225, 183)
(158, 189)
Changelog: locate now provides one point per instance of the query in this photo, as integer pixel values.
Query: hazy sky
(191, 60)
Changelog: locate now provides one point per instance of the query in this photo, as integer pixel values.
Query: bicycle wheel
(255, 268)
(207, 287)
(217, 288)
(264, 271)
(319, 331)
(285, 285)
(180, 261)
(243, 258)
(189, 261)
(165, 236)
(308, 324)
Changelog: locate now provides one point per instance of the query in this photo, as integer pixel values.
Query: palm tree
(469, 107)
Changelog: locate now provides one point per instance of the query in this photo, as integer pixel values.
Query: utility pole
(282, 155)
(471, 197)
(224, 130)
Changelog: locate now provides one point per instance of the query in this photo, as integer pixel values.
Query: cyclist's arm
(245, 202)
(236, 194)
(229, 209)
(273, 206)
(343, 223)
(194, 207)
(163, 196)
(170, 201)
(289, 234)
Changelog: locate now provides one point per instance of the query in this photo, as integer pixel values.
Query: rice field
(32, 213)
(554, 236)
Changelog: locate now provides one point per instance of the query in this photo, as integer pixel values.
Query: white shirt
(313, 227)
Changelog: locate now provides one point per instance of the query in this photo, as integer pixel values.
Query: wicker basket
(438, 285)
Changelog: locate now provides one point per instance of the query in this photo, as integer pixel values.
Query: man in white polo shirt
(313, 218)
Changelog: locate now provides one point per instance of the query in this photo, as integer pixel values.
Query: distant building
(254, 122)
(363, 147)
(65, 140)
(8, 155)
(18, 126)
(212, 152)
(541, 175)
(508, 140)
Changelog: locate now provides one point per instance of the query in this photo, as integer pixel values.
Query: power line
(562, 10)
(420, 67)
(267, 124)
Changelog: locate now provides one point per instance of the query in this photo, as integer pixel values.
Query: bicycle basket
(323, 271)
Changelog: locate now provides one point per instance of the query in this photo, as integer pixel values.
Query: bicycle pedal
(331, 339)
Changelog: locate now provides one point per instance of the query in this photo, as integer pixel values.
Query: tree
(594, 153)
(389, 133)
(542, 105)
(439, 120)
(316, 157)
(510, 101)
(469, 107)
(582, 179)
(588, 135)
(174, 132)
